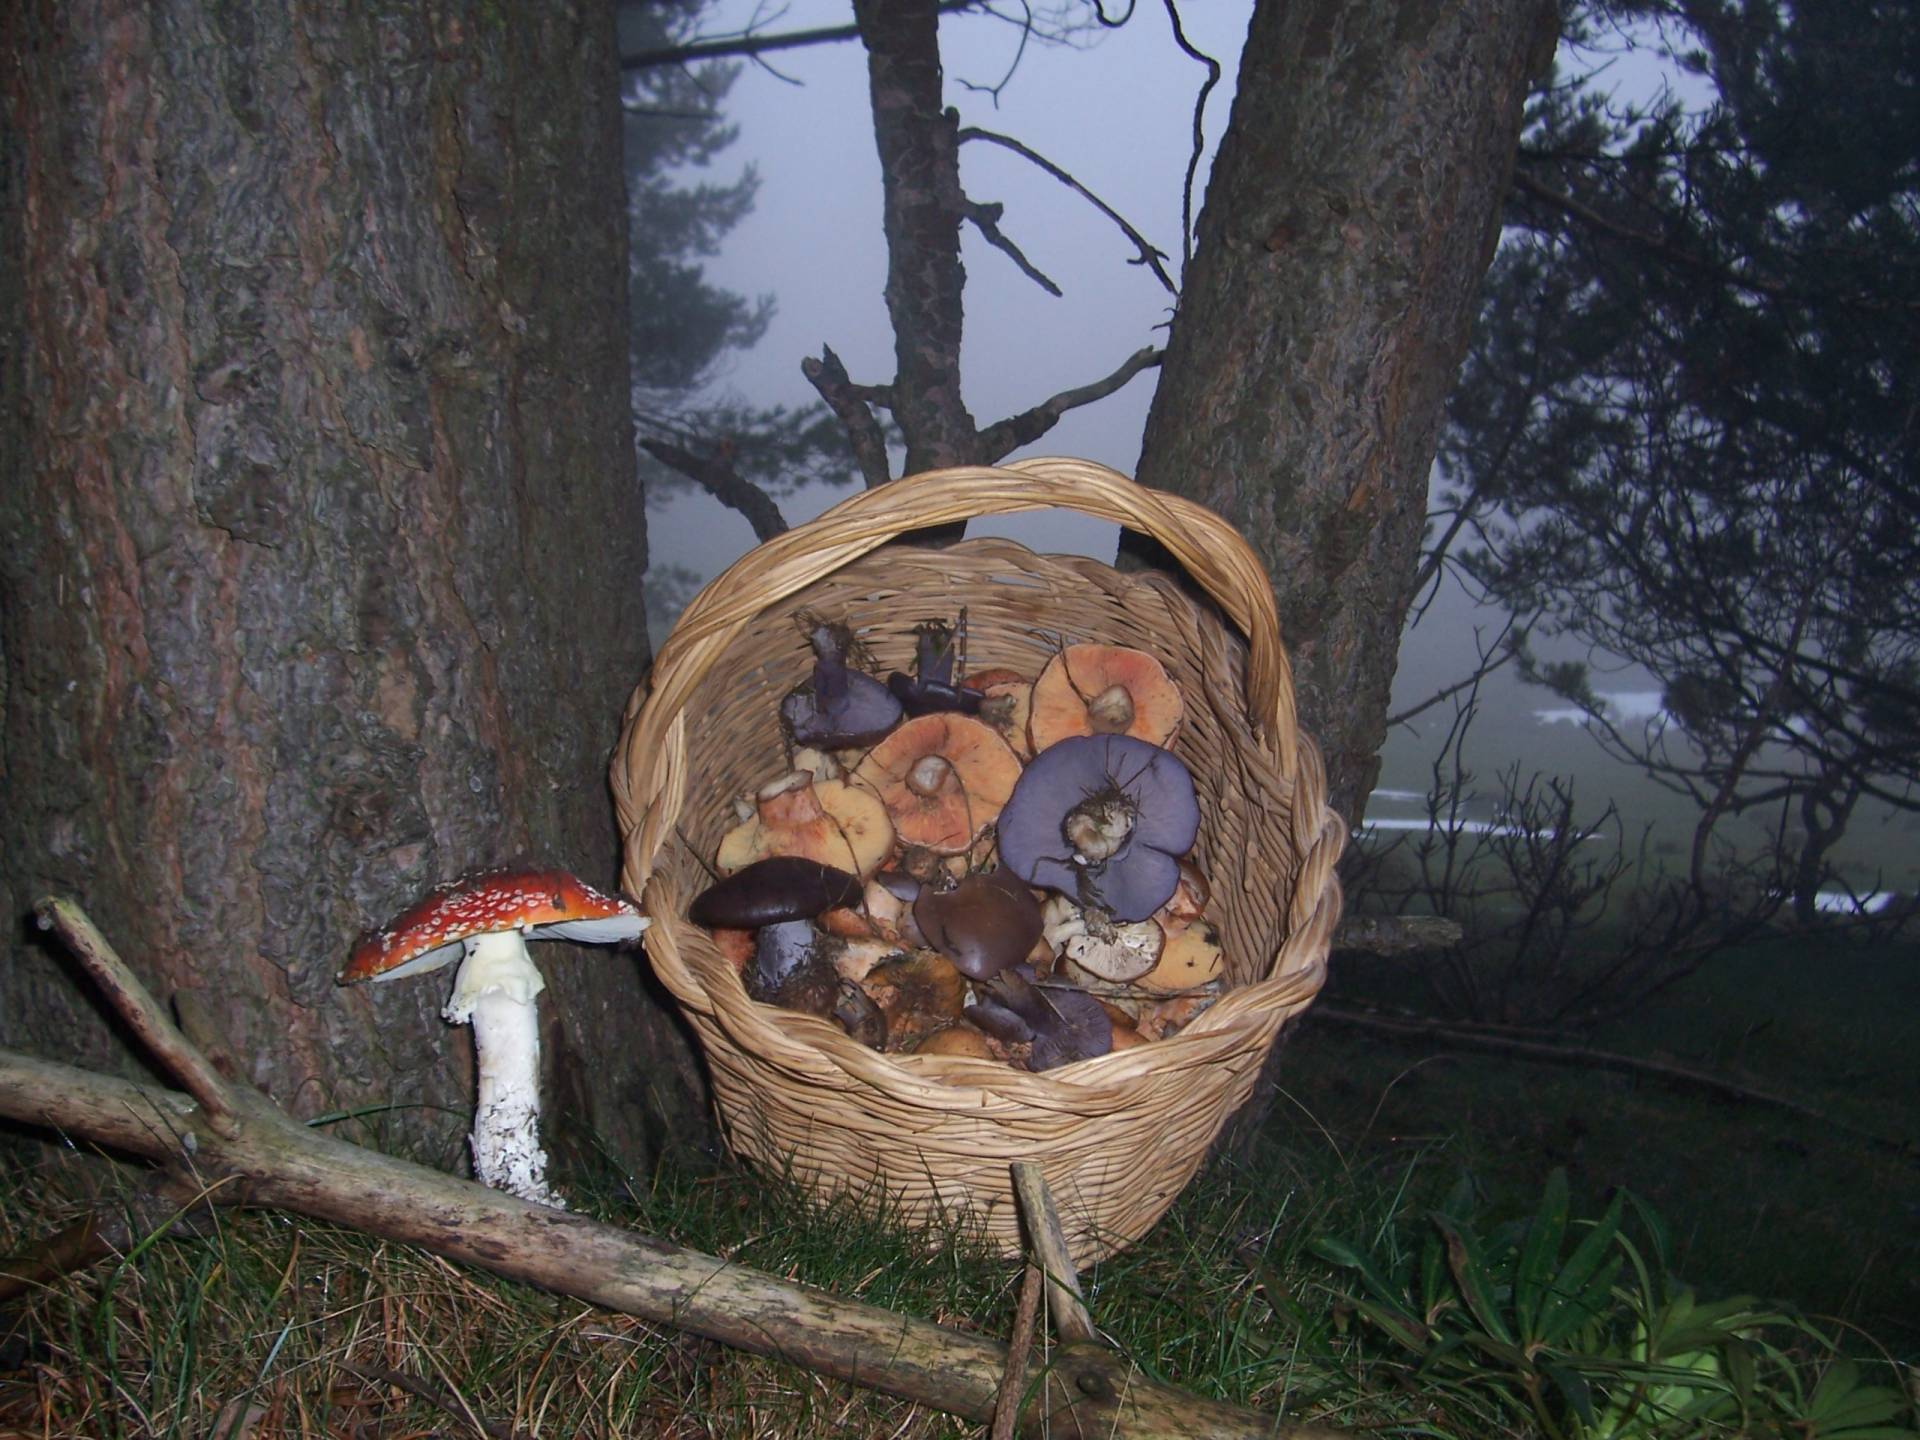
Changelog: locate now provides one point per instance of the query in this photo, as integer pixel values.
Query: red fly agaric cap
(541, 904)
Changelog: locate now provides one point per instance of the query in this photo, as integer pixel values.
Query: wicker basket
(1119, 1136)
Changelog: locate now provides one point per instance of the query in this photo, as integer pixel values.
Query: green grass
(264, 1326)
(1760, 1199)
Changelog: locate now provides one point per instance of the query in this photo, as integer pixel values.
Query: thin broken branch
(112, 1225)
(1013, 1384)
(753, 44)
(1192, 52)
(1396, 934)
(1586, 1056)
(149, 1022)
(1654, 244)
(986, 219)
(1149, 256)
(1492, 658)
(725, 484)
(1003, 437)
(848, 401)
(1068, 1306)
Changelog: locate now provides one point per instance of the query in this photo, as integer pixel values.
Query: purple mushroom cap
(840, 707)
(931, 687)
(1064, 1022)
(1104, 819)
(781, 952)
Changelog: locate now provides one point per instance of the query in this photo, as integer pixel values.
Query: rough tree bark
(1350, 216)
(322, 540)
(923, 206)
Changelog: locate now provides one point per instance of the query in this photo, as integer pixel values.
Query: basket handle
(1210, 550)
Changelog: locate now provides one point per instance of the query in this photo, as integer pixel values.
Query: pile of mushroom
(989, 865)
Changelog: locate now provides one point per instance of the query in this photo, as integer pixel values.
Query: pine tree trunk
(323, 545)
(1350, 218)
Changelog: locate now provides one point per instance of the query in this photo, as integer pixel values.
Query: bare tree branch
(1685, 1077)
(1655, 244)
(986, 219)
(1019, 54)
(1003, 437)
(725, 484)
(850, 403)
(1149, 256)
(752, 44)
(1492, 657)
(1199, 131)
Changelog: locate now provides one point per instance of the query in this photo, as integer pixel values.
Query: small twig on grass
(1013, 1384)
(1071, 1320)
(433, 1395)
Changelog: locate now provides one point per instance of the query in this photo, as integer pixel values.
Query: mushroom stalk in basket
(484, 920)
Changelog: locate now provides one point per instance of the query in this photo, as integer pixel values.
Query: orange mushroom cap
(1104, 690)
(943, 778)
(544, 904)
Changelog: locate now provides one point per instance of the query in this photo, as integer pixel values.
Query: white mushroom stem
(1111, 711)
(494, 990)
(928, 775)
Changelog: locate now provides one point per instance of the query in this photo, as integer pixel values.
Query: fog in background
(1116, 111)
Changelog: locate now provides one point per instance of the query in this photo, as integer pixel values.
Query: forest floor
(264, 1326)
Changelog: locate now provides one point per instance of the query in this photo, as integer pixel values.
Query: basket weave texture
(1119, 1136)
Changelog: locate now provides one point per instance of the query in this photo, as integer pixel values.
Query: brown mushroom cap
(1104, 690)
(919, 992)
(942, 778)
(984, 924)
(831, 821)
(963, 1040)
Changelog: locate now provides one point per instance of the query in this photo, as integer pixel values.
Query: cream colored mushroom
(832, 821)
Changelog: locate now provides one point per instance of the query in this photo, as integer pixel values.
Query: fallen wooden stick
(1072, 1322)
(1396, 934)
(111, 1227)
(272, 1160)
(1013, 1383)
